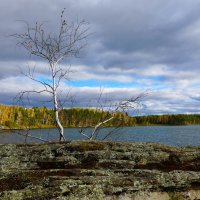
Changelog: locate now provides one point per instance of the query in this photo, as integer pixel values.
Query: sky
(136, 46)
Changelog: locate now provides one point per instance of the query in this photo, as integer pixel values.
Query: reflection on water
(170, 135)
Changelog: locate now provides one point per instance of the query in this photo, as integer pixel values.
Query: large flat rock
(99, 170)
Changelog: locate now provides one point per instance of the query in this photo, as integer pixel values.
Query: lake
(170, 135)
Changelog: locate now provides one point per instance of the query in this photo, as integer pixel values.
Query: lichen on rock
(99, 170)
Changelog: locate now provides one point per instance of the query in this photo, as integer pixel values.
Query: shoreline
(51, 127)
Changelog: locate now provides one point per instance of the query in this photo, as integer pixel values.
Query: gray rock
(99, 170)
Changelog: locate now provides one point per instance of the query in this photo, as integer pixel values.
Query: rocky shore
(99, 170)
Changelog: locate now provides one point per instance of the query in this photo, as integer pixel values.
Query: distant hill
(41, 117)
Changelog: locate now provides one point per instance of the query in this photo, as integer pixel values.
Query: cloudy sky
(136, 46)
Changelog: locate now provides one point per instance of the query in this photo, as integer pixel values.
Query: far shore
(7, 129)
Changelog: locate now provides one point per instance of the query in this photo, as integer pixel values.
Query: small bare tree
(53, 48)
(122, 106)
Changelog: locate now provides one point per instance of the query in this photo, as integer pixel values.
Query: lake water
(170, 135)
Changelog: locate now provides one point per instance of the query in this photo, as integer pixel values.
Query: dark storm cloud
(135, 40)
(154, 31)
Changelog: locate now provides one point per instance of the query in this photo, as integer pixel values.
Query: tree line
(170, 119)
(42, 117)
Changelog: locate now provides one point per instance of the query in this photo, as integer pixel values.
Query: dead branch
(28, 135)
(122, 106)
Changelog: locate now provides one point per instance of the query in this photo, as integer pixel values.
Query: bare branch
(85, 135)
(29, 135)
(98, 126)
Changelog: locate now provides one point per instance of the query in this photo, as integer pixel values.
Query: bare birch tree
(122, 106)
(53, 48)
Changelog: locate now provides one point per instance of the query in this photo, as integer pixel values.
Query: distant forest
(41, 117)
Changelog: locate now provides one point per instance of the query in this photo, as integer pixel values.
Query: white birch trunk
(56, 108)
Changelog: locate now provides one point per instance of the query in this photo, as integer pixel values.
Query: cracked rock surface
(99, 170)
